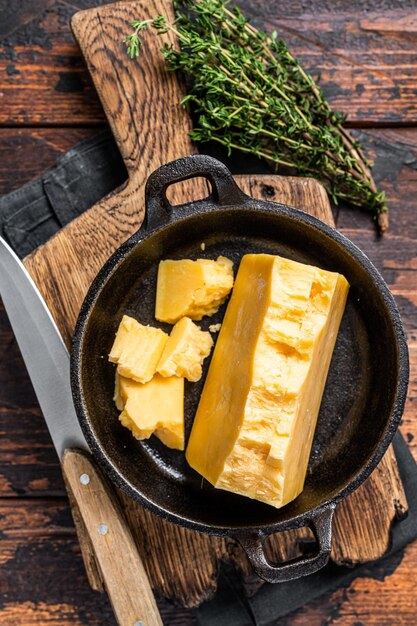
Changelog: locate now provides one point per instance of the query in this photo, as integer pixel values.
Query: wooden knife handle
(115, 551)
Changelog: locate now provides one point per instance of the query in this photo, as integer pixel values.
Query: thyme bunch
(249, 93)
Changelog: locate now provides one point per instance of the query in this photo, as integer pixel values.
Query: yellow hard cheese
(256, 418)
(185, 351)
(192, 289)
(156, 407)
(137, 349)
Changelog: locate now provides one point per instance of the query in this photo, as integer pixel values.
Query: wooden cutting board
(141, 101)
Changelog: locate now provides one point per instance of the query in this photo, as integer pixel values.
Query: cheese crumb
(214, 328)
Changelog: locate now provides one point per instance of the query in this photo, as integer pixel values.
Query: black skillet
(365, 390)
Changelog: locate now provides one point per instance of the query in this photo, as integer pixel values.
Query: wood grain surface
(363, 51)
(43, 81)
(63, 268)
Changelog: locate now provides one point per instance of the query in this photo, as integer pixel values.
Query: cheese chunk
(255, 422)
(192, 288)
(153, 408)
(137, 349)
(185, 351)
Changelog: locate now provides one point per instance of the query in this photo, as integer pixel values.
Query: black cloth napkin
(29, 216)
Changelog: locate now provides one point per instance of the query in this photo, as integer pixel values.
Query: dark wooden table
(366, 54)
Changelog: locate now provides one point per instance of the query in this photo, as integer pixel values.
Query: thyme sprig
(249, 93)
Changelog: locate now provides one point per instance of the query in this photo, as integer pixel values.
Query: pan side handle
(252, 543)
(224, 190)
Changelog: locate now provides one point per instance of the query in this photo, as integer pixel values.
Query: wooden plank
(41, 570)
(18, 145)
(43, 581)
(40, 61)
(364, 55)
(383, 596)
(366, 59)
(394, 152)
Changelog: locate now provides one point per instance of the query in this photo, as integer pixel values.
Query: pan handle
(224, 190)
(320, 523)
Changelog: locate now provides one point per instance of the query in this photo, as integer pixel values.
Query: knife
(47, 361)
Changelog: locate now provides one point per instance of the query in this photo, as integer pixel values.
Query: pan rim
(112, 265)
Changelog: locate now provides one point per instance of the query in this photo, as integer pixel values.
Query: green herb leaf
(249, 93)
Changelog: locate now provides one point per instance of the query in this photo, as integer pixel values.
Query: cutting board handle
(224, 190)
(140, 97)
(125, 86)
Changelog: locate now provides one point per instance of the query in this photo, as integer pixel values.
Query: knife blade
(43, 350)
(48, 364)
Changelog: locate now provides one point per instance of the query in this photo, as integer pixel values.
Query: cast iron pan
(365, 390)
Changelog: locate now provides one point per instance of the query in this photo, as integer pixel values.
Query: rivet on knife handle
(123, 572)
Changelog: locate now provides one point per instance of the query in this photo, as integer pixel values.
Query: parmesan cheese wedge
(255, 422)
